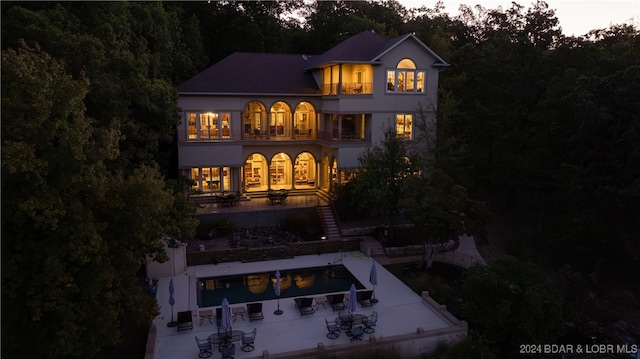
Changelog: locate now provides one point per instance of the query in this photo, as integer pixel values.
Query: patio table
(279, 197)
(225, 337)
(205, 314)
(238, 311)
(321, 300)
(354, 319)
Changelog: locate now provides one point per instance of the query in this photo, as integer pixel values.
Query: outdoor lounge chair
(305, 305)
(370, 323)
(333, 328)
(248, 339)
(336, 301)
(205, 348)
(185, 321)
(254, 310)
(364, 298)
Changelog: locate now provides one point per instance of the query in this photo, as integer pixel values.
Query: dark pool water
(258, 287)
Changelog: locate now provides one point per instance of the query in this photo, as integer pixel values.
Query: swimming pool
(257, 287)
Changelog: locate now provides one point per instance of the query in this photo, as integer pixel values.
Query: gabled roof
(367, 47)
(254, 73)
(264, 73)
(363, 47)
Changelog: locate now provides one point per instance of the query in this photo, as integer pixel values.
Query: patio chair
(346, 319)
(205, 348)
(370, 323)
(333, 328)
(364, 298)
(254, 310)
(336, 301)
(357, 333)
(228, 350)
(185, 321)
(305, 305)
(248, 339)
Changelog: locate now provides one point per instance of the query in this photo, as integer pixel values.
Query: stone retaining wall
(275, 252)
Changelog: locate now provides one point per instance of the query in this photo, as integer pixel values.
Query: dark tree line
(527, 117)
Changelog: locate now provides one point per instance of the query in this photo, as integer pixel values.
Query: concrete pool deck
(411, 323)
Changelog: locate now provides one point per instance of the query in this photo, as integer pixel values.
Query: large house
(259, 121)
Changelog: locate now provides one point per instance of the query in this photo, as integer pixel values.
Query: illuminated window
(405, 78)
(226, 126)
(403, 126)
(211, 125)
(253, 114)
(193, 129)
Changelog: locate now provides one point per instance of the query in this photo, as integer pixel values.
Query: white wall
(176, 264)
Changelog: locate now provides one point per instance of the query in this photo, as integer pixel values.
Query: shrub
(305, 224)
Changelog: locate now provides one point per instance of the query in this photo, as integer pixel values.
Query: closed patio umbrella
(352, 298)
(225, 321)
(373, 279)
(277, 291)
(172, 301)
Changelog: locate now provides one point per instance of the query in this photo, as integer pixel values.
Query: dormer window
(406, 78)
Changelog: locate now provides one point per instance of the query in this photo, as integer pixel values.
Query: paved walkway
(464, 256)
(407, 321)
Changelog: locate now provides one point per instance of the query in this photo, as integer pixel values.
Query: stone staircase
(331, 229)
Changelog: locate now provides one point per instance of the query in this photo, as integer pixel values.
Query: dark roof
(363, 47)
(367, 47)
(244, 73)
(256, 73)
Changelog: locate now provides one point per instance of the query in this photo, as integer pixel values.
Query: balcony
(348, 88)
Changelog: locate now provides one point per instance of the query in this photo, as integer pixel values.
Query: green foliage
(66, 278)
(384, 168)
(441, 208)
(378, 353)
(330, 22)
(224, 227)
(346, 205)
(437, 288)
(510, 302)
(305, 224)
(473, 347)
(84, 110)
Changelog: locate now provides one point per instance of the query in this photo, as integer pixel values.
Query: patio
(407, 321)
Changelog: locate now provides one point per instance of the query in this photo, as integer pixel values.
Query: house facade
(255, 121)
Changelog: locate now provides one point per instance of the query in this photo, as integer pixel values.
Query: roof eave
(429, 50)
(183, 93)
(338, 62)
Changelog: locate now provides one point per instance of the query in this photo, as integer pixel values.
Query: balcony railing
(281, 134)
(348, 88)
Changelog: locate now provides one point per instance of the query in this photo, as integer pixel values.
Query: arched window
(405, 78)
(254, 112)
(303, 120)
(255, 172)
(279, 119)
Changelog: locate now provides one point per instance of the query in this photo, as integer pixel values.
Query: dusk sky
(576, 17)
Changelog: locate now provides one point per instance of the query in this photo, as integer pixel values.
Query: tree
(442, 210)
(330, 22)
(510, 302)
(84, 202)
(384, 167)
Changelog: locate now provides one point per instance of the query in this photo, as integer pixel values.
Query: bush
(305, 224)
